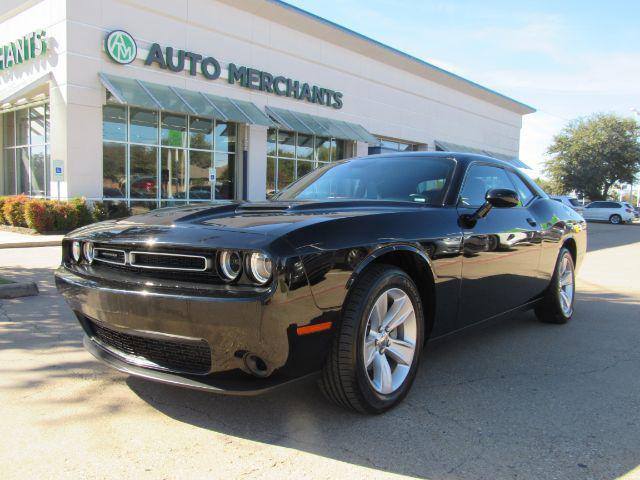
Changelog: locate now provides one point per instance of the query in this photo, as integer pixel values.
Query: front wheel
(375, 353)
(615, 219)
(557, 306)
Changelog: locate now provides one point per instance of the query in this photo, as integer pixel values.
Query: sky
(565, 58)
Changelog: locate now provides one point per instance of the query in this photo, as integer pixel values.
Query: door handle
(532, 222)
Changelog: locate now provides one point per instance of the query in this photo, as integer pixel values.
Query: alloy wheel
(389, 343)
(566, 285)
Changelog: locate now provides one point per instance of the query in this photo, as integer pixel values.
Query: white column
(362, 149)
(58, 141)
(256, 163)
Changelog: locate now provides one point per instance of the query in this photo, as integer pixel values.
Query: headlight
(76, 251)
(230, 264)
(260, 267)
(87, 249)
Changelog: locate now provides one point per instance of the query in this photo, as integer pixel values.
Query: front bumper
(263, 325)
(231, 383)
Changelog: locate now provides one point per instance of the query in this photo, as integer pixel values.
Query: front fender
(375, 254)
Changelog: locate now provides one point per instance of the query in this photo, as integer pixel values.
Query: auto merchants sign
(23, 49)
(122, 48)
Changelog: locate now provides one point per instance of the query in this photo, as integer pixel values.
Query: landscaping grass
(4, 281)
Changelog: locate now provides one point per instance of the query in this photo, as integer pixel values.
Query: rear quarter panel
(558, 224)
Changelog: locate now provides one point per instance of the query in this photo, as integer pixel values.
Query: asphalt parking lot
(517, 399)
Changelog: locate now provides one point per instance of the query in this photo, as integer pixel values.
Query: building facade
(158, 103)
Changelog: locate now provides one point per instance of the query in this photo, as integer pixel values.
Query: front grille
(168, 261)
(160, 263)
(109, 255)
(192, 357)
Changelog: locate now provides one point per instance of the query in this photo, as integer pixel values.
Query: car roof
(461, 157)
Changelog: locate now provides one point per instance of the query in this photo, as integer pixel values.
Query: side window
(595, 205)
(480, 179)
(559, 200)
(613, 205)
(524, 192)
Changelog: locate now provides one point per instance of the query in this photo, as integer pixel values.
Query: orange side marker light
(317, 327)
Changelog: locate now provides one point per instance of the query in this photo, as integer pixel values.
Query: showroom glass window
(153, 158)
(291, 155)
(394, 146)
(25, 152)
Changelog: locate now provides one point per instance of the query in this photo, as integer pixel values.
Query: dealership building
(157, 103)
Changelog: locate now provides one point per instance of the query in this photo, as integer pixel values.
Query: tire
(366, 385)
(557, 307)
(615, 219)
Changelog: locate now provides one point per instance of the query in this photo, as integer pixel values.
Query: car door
(501, 251)
(593, 211)
(613, 208)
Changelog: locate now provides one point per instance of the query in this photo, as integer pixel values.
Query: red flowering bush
(39, 215)
(65, 216)
(13, 210)
(44, 215)
(3, 221)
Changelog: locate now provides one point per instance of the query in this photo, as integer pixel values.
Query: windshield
(410, 179)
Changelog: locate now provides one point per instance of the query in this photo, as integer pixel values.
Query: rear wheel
(615, 219)
(375, 353)
(557, 306)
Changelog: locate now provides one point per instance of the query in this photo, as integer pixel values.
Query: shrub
(110, 210)
(65, 216)
(39, 215)
(13, 210)
(84, 214)
(100, 212)
(3, 221)
(54, 216)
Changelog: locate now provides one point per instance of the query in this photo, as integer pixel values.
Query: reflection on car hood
(262, 219)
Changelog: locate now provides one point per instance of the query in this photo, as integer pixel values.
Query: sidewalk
(20, 240)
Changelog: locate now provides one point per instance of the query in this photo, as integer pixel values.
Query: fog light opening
(255, 365)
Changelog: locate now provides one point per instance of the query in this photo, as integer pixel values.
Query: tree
(591, 155)
(550, 186)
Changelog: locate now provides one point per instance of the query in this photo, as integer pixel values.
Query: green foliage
(110, 210)
(39, 215)
(591, 155)
(100, 212)
(550, 186)
(45, 216)
(13, 210)
(3, 221)
(84, 214)
(65, 216)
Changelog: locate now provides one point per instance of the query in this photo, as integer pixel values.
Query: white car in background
(606, 211)
(636, 211)
(569, 202)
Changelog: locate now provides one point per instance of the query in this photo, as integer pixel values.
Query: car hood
(220, 223)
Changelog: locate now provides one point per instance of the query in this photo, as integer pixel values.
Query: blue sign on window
(58, 170)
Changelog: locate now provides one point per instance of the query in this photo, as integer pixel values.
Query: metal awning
(27, 92)
(452, 147)
(144, 94)
(321, 126)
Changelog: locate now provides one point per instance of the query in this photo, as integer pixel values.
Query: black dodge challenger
(347, 272)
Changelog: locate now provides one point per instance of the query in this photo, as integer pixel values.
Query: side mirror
(498, 198)
(502, 198)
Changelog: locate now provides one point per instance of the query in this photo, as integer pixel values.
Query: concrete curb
(15, 290)
(46, 243)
